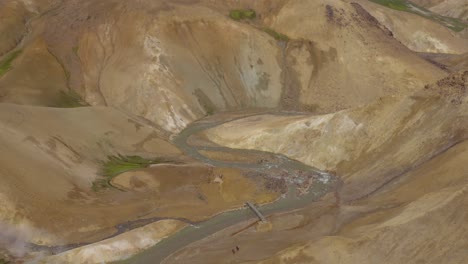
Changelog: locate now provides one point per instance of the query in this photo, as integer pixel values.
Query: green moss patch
(239, 14)
(276, 35)
(5, 64)
(115, 165)
(69, 99)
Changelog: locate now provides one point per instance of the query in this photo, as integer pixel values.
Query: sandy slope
(449, 61)
(348, 58)
(386, 209)
(51, 156)
(424, 222)
(39, 85)
(49, 161)
(451, 8)
(416, 32)
(149, 68)
(172, 63)
(371, 144)
(13, 14)
(416, 219)
(120, 247)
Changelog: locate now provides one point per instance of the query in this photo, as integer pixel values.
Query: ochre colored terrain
(94, 93)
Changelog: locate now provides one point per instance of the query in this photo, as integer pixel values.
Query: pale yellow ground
(151, 67)
(49, 161)
(119, 247)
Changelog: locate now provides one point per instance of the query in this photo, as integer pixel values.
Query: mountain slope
(173, 63)
(416, 32)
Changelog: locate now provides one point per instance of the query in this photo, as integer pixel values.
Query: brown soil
(390, 122)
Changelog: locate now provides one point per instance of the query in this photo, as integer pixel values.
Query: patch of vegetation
(239, 14)
(75, 50)
(115, 165)
(3, 261)
(407, 6)
(69, 99)
(209, 111)
(5, 64)
(276, 35)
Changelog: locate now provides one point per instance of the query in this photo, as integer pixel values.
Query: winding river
(322, 184)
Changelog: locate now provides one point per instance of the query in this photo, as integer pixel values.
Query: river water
(291, 200)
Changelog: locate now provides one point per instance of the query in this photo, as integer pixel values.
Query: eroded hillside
(124, 122)
(183, 61)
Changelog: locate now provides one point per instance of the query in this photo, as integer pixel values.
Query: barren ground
(127, 125)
